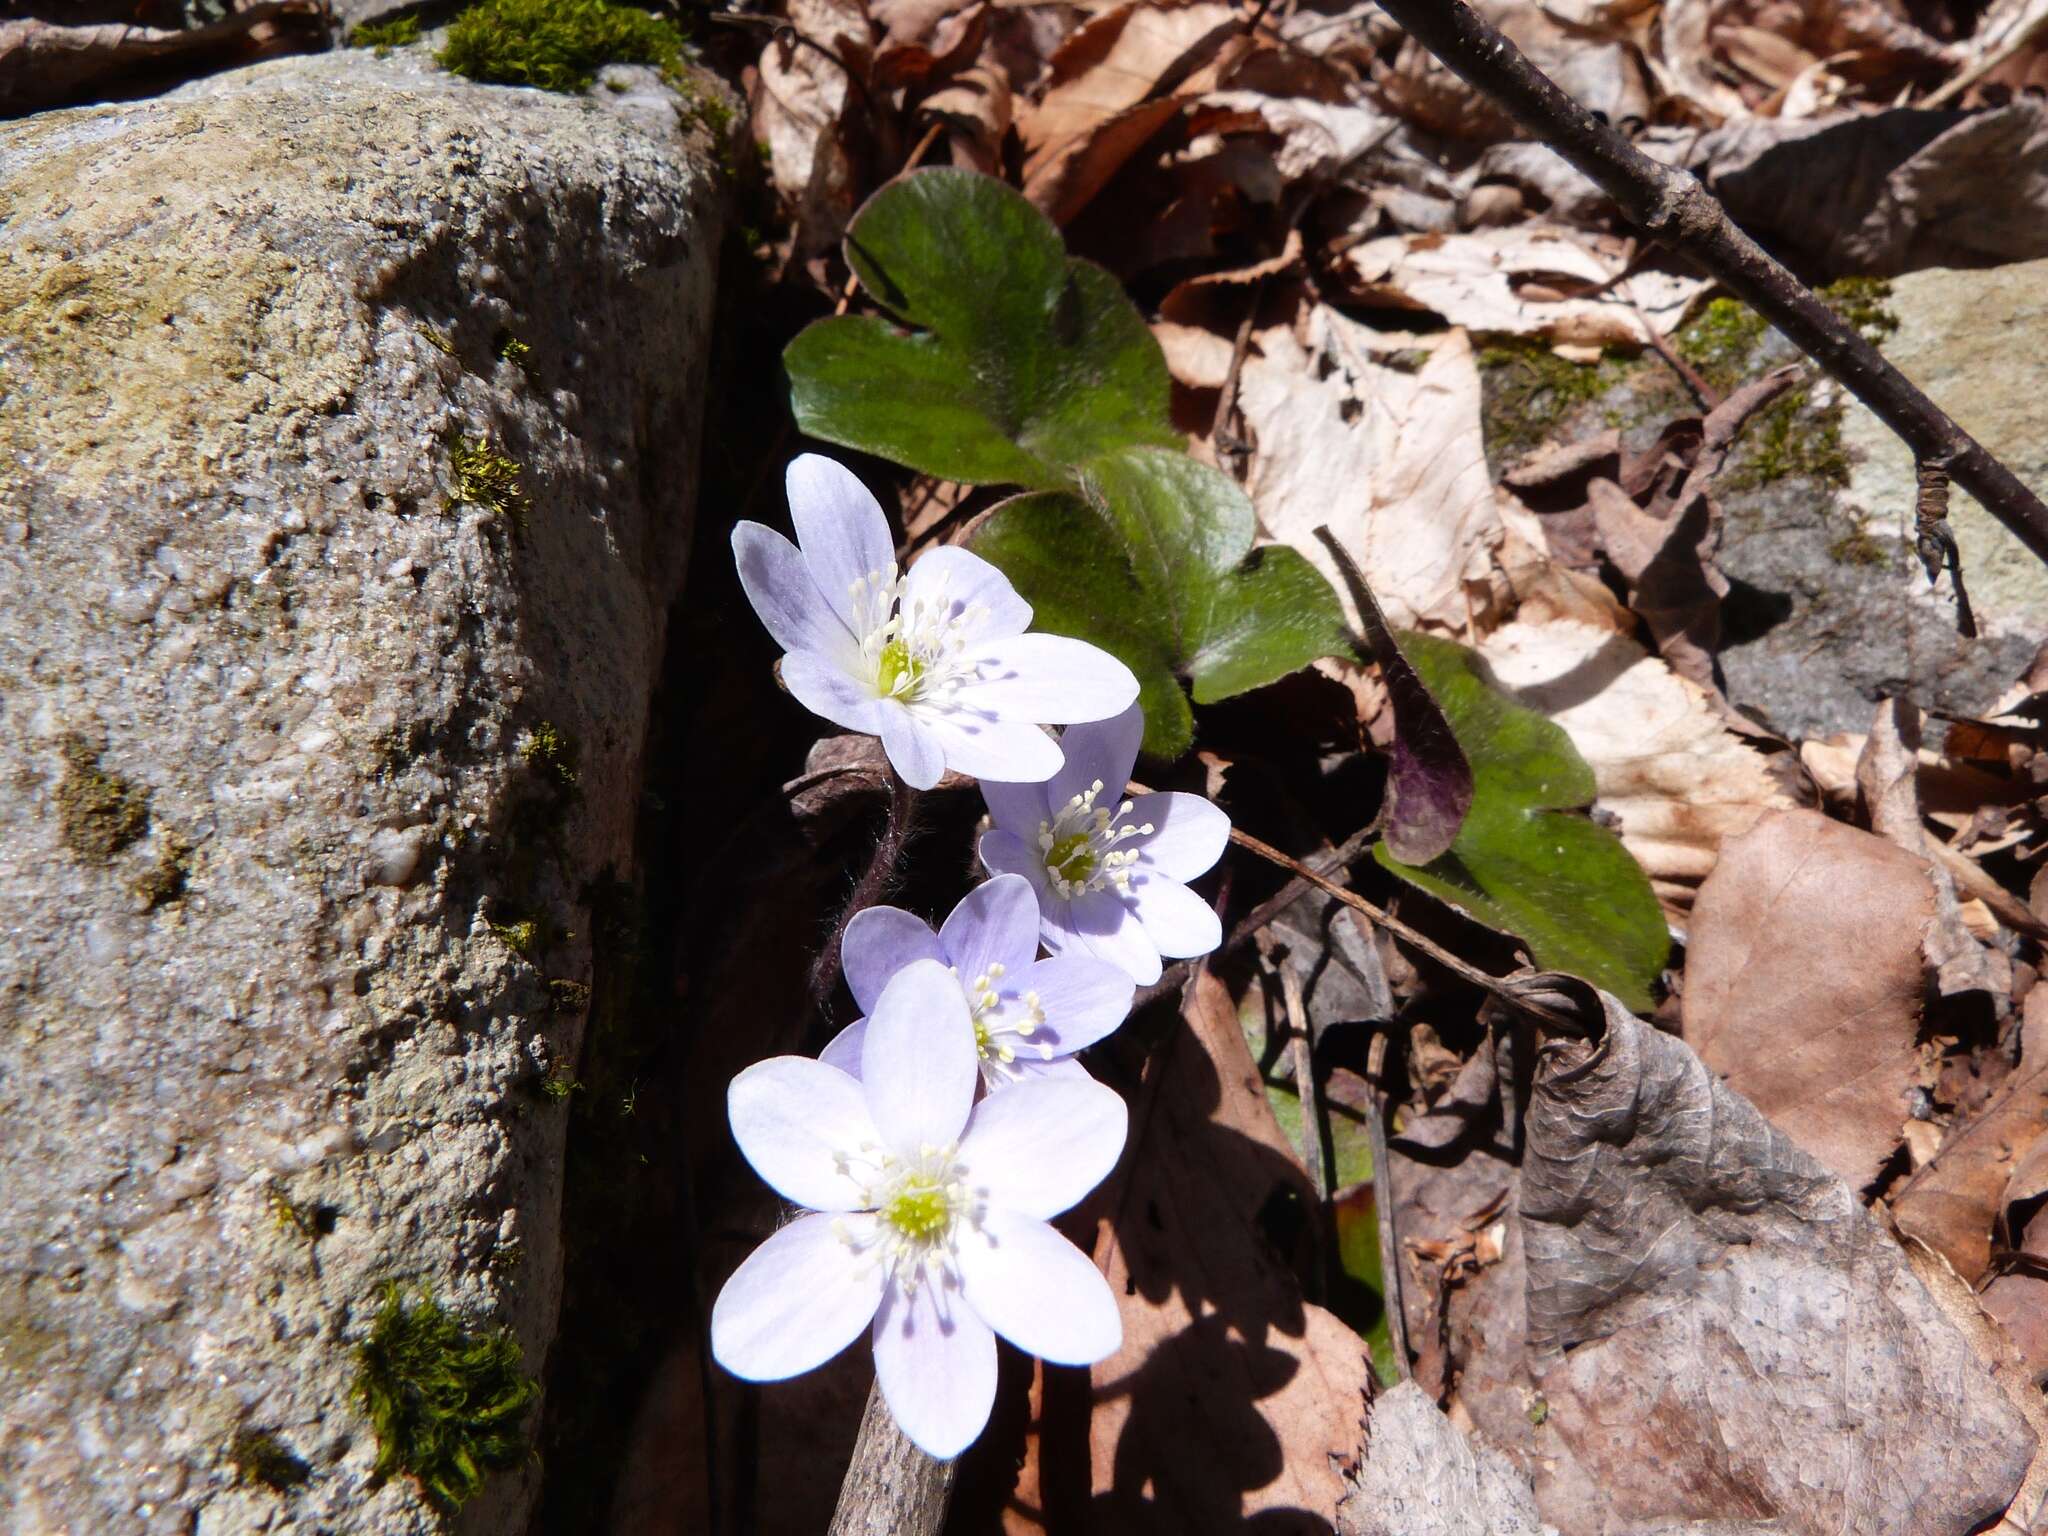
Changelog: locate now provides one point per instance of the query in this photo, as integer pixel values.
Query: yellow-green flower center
(920, 1209)
(1072, 858)
(898, 671)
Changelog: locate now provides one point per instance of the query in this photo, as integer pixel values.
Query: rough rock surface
(347, 420)
(1973, 341)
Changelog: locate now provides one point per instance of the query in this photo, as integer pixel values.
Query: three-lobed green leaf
(1559, 882)
(1152, 559)
(1008, 361)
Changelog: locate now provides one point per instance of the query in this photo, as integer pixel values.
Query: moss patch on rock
(383, 36)
(558, 45)
(486, 478)
(99, 812)
(258, 1456)
(445, 1402)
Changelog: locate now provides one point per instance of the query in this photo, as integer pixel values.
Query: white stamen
(918, 1204)
(1079, 845)
(917, 656)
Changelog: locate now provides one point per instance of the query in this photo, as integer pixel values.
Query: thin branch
(1493, 985)
(2022, 36)
(1673, 207)
(892, 1488)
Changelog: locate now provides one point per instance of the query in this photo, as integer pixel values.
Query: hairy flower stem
(883, 871)
(892, 1488)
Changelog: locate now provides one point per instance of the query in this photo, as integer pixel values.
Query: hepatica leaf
(1559, 882)
(1152, 560)
(1006, 360)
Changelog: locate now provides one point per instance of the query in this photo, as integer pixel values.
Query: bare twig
(1494, 985)
(1383, 1207)
(2022, 37)
(892, 1488)
(1935, 541)
(1301, 1056)
(1673, 207)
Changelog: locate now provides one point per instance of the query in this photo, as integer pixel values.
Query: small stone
(395, 855)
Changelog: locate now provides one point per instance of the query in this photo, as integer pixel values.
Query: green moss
(99, 813)
(568, 996)
(309, 1222)
(165, 883)
(1720, 342)
(1529, 392)
(486, 478)
(514, 351)
(1857, 547)
(438, 339)
(258, 1456)
(552, 754)
(1792, 439)
(558, 45)
(559, 1085)
(522, 937)
(1864, 303)
(707, 109)
(384, 36)
(445, 1402)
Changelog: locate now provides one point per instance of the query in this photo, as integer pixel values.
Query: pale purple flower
(1110, 873)
(1028, 1016)
(929, 1216)
(934, 661)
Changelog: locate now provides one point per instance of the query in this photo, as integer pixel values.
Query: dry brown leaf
(1318, 140)
(1420, 1476)
(43, 64)
(1230, 1397)
(1524, 280)
(1803, 982)
(1668, 767)
(1720, 1330)
(799, 103)
(1953, 1202)
(1603, 72)
(977, 106)
(1115, 82)
(1394, 462)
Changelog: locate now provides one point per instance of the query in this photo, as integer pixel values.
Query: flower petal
(1061, 1068)
(996, 923)
(1013, 749)
(913, 751)
(1100, 924)
(840, 526)
(1018, 808)
(1005, 853)
(825, 688)
(918, 1063)
(1189, 833)
(1039, 1147)
(792, 1116)
(1101, 749)
(1083, 998)
(1039, 1291)
(778, 583)
(799, 1299)
(1049, 679)
(1175, 918)
(935, 1361)
(843, 1049)
(879, 942)
(962, 579)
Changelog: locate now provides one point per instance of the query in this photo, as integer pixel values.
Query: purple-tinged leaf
(1429, 782)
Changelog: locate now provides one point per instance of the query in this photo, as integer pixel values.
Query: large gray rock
(1974, 342)
(320, 744)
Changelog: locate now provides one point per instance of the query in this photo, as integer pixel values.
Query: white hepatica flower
(934, 661)
(1110, 873)
(929, 1216)
(1028, 1015)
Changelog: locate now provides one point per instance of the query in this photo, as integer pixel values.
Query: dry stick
(2021, 38)
(1673, 207)
(1485, 980)
(892, 1488)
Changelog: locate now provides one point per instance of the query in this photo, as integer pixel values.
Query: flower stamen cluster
(996, 1028)
(1080, 845)
(917, 655)
(919, 1205)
